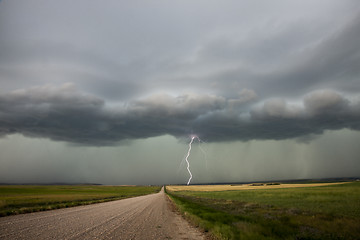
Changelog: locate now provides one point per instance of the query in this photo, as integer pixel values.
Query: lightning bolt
(187, 161)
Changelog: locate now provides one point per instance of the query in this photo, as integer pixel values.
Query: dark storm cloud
(333, 61)
(236, 70)
(288, 61)
(119, 51)
(66, 114)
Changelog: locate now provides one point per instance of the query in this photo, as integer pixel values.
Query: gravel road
(145, 217)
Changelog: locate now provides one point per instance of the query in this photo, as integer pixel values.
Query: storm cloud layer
(66, 114)
(110, 91)
(101, 73)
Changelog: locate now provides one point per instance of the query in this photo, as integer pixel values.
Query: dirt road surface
(145, 217)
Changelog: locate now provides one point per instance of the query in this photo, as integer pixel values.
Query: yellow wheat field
(208, 188)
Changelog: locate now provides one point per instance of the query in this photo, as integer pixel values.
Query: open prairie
(285, 211)
(207, 188)
(15, 199)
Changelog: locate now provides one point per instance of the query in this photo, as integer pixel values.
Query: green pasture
(15, 199)
(326, 212)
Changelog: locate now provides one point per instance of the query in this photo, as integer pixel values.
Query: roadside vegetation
(16, 199)
(322, 212)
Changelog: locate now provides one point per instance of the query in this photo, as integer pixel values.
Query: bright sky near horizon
(110, 91)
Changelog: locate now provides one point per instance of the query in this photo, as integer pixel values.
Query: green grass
(328, 212)
(15, 199)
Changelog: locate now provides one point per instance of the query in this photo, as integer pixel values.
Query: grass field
(212, 188)
(307, 212)
(15, 199)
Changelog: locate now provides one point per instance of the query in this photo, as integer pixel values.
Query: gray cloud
(119, 51)
(288, 60)
(66, 114)
(325, 102)
(244, 75)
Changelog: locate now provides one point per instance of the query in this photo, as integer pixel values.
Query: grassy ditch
(326, 212)
(16, 199)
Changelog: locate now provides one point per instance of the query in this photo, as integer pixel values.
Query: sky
(111, 92)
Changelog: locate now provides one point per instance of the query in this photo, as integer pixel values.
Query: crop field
(15, 199)
(274, 211)
(211, 188)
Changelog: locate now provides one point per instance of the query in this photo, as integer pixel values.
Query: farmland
(278, 211)
(15, 199)
(212, 188)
